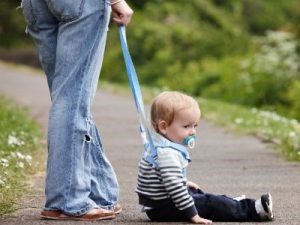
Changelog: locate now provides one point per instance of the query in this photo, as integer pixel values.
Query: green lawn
(19, 145)
(282, 133)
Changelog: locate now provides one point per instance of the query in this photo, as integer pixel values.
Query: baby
(164, 192)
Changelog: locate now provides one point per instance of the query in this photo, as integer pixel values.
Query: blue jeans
(70, 36)
(209, 206)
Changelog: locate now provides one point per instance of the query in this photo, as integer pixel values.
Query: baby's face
(184, 125)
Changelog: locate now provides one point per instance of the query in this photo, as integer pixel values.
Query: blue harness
(160, 142)
(151, 141)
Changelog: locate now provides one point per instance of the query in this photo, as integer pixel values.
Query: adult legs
(76, 161)
(42, 26)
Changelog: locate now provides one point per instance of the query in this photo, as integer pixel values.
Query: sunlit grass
(19, 139)
(282, 132)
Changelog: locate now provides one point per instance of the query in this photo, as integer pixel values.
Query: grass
(19, 140)
(281, 132)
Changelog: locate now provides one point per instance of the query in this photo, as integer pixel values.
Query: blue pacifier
(190, 141)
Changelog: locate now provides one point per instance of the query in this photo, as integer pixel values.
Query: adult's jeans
(70, 36)
(209, 206)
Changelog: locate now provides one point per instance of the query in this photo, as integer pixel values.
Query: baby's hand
(199, 220)
(192, 185)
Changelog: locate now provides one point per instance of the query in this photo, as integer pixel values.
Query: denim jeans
(70, 36)
(209, 206)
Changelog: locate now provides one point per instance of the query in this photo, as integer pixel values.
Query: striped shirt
(165, 183)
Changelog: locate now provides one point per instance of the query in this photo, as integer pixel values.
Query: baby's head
(175, 115)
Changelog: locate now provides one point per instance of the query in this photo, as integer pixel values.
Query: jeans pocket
(28, 12)
(66, 10)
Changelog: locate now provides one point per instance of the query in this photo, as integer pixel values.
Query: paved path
(222, 162)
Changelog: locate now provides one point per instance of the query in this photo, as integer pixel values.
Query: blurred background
(245, 52)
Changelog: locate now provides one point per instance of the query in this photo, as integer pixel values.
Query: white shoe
(264, 207)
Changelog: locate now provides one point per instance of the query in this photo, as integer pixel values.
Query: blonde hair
(167, 103)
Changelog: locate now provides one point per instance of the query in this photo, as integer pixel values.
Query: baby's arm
(199, 220)
(192, 184)
(172, 177)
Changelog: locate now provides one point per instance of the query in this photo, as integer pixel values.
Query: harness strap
(149, 147)
(162, 142)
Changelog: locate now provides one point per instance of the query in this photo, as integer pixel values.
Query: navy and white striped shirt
(165, 183)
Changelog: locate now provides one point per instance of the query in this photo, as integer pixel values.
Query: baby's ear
(162, 127)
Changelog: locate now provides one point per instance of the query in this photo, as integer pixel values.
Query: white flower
(4, 162)
(20, 155)
(294, 122)
(20, 165)
(254, 110)
(28, 159)
(238, 120)
(292, 134)
(13, 140)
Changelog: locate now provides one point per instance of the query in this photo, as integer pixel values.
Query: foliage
(12, 24)
(19, 138)
(213, 49)
(272, 71)
(292, 97)
(259, 15)
(165, 43)
(264, 78)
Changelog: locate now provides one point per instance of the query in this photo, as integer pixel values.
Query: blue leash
(148, 138)
(149, 147)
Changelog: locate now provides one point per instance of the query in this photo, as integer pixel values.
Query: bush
(272, 69)
(292, 98)
(12, 24)
(164, 41)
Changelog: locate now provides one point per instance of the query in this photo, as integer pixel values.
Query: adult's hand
(122, 13)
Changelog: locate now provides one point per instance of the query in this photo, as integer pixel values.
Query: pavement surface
(222, 162)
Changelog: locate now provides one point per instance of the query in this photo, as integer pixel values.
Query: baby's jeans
(210, 206)
(70, 36)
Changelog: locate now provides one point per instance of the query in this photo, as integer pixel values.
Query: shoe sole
(78, 218)
(61, 216)
(269, 206)
(118, 211)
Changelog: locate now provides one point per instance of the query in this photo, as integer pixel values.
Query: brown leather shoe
(94, 214)
(118, 209)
